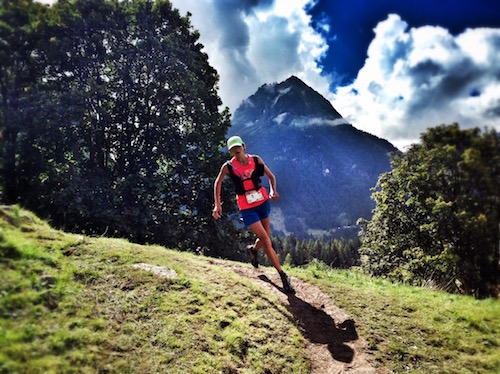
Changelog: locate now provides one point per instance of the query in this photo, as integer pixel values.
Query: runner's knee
(266, 242)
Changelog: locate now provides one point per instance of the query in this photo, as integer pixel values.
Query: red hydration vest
(247, 184)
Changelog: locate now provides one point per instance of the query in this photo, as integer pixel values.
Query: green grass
(411, 329)
(74, 304)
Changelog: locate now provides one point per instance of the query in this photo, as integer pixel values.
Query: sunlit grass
(74, 304)
(416, 329)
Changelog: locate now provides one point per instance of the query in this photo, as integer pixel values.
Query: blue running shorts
(256, 214)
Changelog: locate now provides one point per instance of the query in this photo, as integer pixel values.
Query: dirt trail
(333, 343)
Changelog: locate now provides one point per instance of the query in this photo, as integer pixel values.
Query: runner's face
(238, 151)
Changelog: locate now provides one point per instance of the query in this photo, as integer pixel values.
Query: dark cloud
(275, 49)
(229, 15)
(423, 72)
(454, 82)
(458, 79)
(253, 42)
(494, 54)
(494, 39)
(493, 111)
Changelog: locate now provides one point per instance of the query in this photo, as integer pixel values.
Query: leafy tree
(124, 132)
(19, 68)
(437, 213)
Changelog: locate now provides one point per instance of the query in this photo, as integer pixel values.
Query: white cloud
(253, 42)
(422, 77)
(412, 78)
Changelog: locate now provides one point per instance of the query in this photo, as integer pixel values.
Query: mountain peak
(325, 167)
(291, 102)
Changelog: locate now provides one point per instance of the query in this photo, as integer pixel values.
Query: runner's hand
(217, 212)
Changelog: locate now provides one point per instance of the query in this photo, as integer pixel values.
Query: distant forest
(110, 125)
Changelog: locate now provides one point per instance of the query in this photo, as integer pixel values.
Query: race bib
(254, 196)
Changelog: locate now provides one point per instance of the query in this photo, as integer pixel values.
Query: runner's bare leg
(262, 230)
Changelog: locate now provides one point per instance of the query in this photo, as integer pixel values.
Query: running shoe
(252, 252)
(287, 285)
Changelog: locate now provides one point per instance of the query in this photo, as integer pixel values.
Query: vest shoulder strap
(230, 167)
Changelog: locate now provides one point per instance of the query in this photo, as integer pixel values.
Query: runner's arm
(273, 193)
(217, 211)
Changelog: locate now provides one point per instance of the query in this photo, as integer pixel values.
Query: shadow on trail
(319, 327)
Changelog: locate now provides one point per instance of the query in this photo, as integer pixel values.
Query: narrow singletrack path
(333, 344)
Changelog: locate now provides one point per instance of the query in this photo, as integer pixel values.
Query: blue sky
(391, 67)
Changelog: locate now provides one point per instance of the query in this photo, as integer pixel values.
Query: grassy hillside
(71, 303)
(412, 329)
